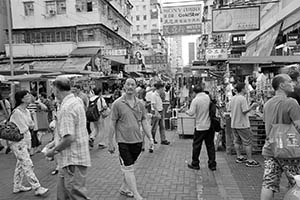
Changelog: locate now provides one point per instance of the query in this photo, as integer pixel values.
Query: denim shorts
(274, 169)
(242, 136)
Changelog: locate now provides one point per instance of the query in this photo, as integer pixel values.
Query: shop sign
(114, 52)
(216, 54)
(182, 20)
(292, 37)
(156, 59)
(236, 19)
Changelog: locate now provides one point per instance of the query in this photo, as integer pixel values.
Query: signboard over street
(182, 20)
(216, 54)
(113, 52)
(236, 19)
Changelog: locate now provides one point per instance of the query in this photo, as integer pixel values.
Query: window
(144, 7)
(154, 25)
(137, 27)
(145, 17)
(137, 18)
(18, 38)
(145, 27)
(28, 8)
(61, 7)
(84, 6)
(50, 8)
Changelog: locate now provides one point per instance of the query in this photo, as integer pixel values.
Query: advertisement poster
(182, 20)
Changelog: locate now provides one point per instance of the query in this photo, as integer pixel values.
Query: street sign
(156, 59)
(113, 52)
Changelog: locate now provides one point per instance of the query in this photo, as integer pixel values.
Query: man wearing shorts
(240, 125)
(128, 113)
(280, 109)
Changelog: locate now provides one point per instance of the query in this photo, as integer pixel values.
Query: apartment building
(66, 28)
(147, 24)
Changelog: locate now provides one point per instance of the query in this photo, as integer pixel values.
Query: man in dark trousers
(203, 131)
(295, 76)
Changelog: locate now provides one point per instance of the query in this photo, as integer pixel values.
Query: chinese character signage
(113, 52)
(156, 59)
(182, 20)
(216, 54)
(236, 19)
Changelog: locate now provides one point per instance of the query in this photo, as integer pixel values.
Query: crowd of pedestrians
(136, 111)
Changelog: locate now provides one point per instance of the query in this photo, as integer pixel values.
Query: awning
(29, 77)
(117, 60)
(75, 64)
(264, 45)
(84, 52)
(291, 23)
(266, 60)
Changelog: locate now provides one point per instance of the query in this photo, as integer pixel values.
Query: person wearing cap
(70, 143)
(157, 111)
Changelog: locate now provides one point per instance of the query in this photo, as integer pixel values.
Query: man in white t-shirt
(98, 127)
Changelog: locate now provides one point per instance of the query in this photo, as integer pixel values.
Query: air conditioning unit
(51, 12)
(78, 7)
(30, 6)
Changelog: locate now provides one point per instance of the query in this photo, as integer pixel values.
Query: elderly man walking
(128, 114)
(70, 143)
(280, 109)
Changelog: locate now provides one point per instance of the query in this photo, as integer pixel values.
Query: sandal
(127, 193)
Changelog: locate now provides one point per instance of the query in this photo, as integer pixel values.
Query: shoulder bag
(10, 131)
(285, 140)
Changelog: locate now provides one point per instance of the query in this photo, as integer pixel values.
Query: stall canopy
(28, 77)
(84, 52)
(291, 23)
(75, 64)
(264, 44)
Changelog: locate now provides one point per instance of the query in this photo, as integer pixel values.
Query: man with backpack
(95, 115)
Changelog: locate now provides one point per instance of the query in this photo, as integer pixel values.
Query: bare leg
(266, 194)
(131, 182)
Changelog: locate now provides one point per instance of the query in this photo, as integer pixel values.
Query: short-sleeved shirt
(278, 110)
(157, 101)
(128, 120)
(238, 106)
(200, 109)
(71, 120)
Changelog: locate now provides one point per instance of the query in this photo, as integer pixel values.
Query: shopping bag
(285, 141)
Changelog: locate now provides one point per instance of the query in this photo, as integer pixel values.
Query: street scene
(150, 99)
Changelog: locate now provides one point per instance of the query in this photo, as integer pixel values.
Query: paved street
(162, 175)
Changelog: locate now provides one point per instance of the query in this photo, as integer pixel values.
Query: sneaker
(101, 146)
(91, 142)
(240, 159)
(193, 167)
(155, 142)
(252, 163)
(165, 142)
(21, 189)
(41, 191)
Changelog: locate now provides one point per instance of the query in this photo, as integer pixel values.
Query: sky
(185, 39)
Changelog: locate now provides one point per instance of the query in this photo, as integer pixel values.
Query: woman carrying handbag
(22, 118)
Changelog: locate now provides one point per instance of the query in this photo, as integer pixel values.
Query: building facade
(58, 27)
(175, 53)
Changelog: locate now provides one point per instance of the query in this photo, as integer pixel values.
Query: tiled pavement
(162, 175)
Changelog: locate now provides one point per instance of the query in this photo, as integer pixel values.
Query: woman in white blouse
(22, 118)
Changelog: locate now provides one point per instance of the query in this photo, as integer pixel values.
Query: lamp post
(9, 23)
